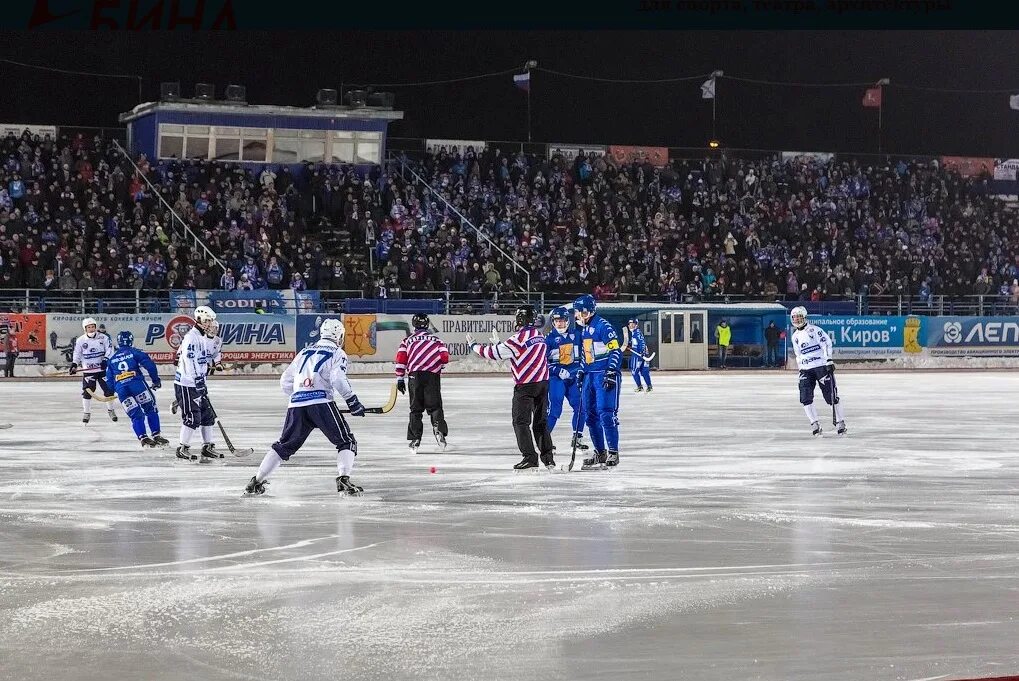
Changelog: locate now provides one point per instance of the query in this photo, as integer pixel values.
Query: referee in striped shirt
(528, 361)
(421, 357)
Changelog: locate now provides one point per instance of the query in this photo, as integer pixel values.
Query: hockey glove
(355, 406)
(831, 368)
(73, 370)
(579, 378)
(563, 374)
(401, 385)
(471, 342)
(104, 364)
(200, 387)
(156, 384)
(609, 383)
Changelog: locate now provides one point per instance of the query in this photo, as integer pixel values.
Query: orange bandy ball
(432, 469)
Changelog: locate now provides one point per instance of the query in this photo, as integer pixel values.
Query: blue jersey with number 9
(124, 371)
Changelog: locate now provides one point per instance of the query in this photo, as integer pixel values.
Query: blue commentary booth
(258, 134)
(683, 336)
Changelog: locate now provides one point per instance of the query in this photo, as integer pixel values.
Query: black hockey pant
(425, 391)
(530, 416)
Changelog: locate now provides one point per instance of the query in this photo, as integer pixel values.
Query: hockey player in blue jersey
(639, 366)
(124, 375)
(563, 345)
(600, 360)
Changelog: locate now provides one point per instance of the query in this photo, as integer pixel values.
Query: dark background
(288, 68)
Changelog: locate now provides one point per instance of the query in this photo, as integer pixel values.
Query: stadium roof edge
(149, 108)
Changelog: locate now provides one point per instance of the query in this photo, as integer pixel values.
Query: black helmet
(525, 316)
(420, 321)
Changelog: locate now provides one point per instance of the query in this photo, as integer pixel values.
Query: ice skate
(577, 443)
(86, 417)
(209, 452)
(649, 389)
(597, 462)
(184, 452)
(174, 407)
(526, 463)
(254, 487)
(146, 442)
(439, 438)
(638, 389)
(345, 486)
(160, 440)
(817, 429)
(842, 430)
(548, 461)
(414, 446)
(112, 414)
(612, 459)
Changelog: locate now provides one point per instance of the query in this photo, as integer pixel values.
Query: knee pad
(280, 452)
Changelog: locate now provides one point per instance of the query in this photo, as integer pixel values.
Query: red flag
(872, 97)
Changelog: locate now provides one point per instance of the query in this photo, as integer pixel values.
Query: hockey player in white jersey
(310, 381)
(813, 349)
(215, 364)
(189, 386)
(91, 352)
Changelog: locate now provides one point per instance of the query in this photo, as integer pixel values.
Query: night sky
(288, 68)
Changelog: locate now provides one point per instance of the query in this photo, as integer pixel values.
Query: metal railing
(933, 306)
(184, 232)
(139, 301)
(406, 168)
(84, 301)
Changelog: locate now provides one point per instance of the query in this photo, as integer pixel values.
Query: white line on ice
(205, 559)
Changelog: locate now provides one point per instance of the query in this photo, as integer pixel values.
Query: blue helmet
(560, 313)
(584, 303)
(632, 321)
(125, 339)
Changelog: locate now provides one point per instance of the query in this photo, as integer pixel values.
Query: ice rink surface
(729, 544)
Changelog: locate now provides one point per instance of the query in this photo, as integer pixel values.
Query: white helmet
(332, 330)
(798, 315)
(204, 319)
(87, 322)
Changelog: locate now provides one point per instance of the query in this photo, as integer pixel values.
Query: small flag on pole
(1013, 102)
(872, 97)
(522, 81)
(708, 89)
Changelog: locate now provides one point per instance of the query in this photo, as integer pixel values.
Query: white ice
(729, 544)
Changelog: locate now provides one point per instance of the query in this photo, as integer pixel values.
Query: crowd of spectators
(74, 214)
(807, 228)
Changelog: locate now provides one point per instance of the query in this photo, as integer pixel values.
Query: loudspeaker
(205, 91)
(356, 98)
(382, 100)
(169, 92)
(327, 97)
(237, 93)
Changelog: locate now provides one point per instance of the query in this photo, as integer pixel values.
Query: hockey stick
(100, 397)
(384, 409)
(246, 451)
(834, 398)
(649, 357)
(573, 454)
